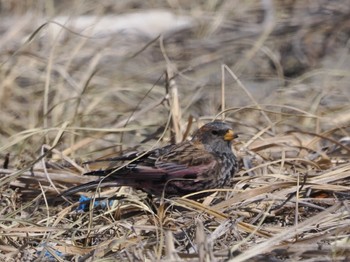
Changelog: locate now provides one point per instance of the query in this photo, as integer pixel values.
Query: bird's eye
(215, 132)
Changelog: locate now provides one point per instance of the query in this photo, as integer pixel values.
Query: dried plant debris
(80, 87)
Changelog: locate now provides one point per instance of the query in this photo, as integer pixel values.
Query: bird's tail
(99, 172)
(104, 182)
(88, 186)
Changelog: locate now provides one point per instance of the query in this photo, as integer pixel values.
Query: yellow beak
(229, 136)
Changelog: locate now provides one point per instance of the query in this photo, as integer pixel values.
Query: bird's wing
(182, 161)
(109, 163)
(185, 160)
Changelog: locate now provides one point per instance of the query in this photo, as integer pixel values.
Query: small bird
(204, 162)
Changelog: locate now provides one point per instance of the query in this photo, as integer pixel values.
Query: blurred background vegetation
(101, 61)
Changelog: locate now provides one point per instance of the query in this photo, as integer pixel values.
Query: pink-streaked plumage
(205, 162)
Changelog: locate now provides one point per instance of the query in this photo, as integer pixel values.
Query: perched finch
(204, 162)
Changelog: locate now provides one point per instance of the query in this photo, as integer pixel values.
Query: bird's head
(215, 136)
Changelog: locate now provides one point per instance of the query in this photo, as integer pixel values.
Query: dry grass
(278, 71)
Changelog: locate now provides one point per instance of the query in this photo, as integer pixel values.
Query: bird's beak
(229, 136)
